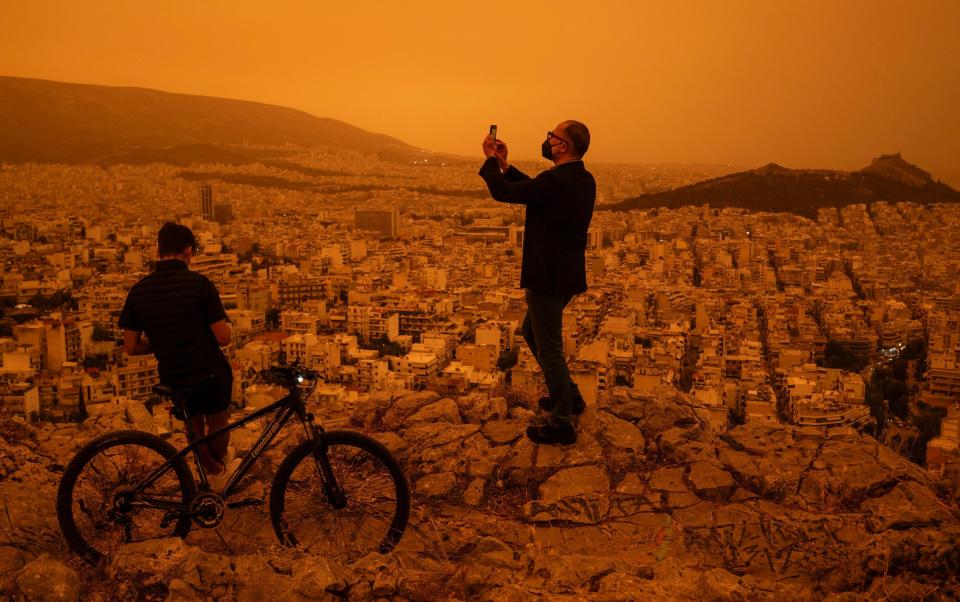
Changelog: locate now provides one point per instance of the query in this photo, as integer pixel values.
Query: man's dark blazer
(559, 207)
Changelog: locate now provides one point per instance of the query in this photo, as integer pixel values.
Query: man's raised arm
(524, 191)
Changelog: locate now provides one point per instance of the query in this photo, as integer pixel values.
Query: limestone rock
(432, 434)
(527, 455)
(620, 433)
(258, 579)
(392, 442)
(483, 460)
(631, 485)
(407, 405)
(314, 579)
(487, 545)
(521, 414)
(444, 410)
(473, 494)
(580, 494)
(501, 432)
(661, 409)
(369, 412)
(710, 482)
(721, 585)
(479, 411)
(17, 431)
(180, 591)
(27, 510)
(670, 441)
(448, 457)
(676, 500)
(210, 575)
(381, 577)
(11, 561)
(668, 479)
(569, 573)
(45, 580)
(624, 583)
(906, 505)
(138, 416)
(436, 485)
(150, 561)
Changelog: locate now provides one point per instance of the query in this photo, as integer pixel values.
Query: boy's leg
(219, 445)
(207, 456)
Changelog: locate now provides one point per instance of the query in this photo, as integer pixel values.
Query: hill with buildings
(804, 191)
(54, 122)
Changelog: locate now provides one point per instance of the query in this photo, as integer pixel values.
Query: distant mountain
(803, 191)
(46, 121)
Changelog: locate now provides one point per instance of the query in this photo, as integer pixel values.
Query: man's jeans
(543, 330)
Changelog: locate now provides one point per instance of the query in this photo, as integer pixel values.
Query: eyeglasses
(552, 135)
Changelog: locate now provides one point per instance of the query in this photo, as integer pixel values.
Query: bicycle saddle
(163, 390)
(169, 393)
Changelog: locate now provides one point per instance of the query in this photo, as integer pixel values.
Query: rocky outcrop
(649, 503)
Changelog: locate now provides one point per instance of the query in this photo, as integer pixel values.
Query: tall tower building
(223, 213)
(384, 221)
(206, 202)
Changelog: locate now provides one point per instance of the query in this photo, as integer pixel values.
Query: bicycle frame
(285, 409)
(129, 485)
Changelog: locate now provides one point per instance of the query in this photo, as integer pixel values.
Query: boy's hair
(173, 239)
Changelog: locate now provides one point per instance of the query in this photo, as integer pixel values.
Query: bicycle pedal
(245, 502)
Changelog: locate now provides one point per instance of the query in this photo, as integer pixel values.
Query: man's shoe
(549, 434)
(579, 405)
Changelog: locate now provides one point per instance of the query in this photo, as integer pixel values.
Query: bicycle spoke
(363, 525)
(104, 506)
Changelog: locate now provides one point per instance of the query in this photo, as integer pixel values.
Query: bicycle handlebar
(294, 373)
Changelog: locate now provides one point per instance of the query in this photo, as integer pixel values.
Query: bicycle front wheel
(102, 504)
(377, 499)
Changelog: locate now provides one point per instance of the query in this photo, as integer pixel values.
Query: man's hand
(489, 146)
(496, 148)
(135, 342)
(501, 154)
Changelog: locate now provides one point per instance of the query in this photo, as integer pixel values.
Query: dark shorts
(207, 395)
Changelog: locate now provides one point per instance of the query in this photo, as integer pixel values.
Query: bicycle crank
(207, 509)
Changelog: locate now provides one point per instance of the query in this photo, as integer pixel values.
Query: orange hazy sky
(804, 84)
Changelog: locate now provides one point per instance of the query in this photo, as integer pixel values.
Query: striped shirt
(175, 308)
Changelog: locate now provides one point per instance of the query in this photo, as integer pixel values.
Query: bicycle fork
(331, 488)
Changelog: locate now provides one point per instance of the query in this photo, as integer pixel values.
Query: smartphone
(493, 131)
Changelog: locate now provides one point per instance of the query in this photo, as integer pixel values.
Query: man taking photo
(559, 205)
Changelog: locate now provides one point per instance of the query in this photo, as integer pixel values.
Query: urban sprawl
(392, 276)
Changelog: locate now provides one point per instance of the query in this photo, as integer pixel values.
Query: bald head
(578, 135)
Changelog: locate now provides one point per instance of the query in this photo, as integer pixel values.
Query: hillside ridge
(49, 121)
(776, 188)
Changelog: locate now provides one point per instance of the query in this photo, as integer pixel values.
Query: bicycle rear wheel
(99, 504)
(377, 499)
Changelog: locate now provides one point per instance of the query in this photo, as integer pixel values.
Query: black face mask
(546, 149)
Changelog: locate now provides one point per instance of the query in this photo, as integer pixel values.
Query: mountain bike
(338, 493)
